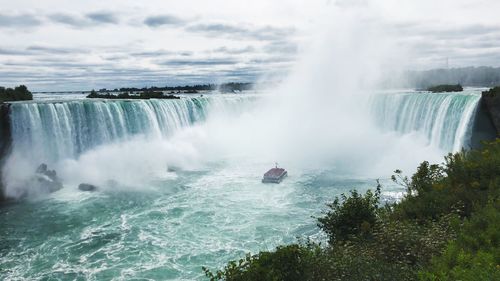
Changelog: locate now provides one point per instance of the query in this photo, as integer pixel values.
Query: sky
(79, 45)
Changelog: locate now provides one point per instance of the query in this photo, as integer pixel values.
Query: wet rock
(47, 180)
(491, 102)
(87, 187)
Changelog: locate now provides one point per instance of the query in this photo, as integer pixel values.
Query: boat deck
(274, 175)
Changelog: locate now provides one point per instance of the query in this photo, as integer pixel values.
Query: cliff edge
(491, 102)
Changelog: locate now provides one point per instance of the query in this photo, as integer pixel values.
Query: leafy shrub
(475, 255)
(292, 262)
(464, 183)
(351, 216)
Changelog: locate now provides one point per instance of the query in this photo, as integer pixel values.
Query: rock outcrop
(47, 180)
(5, 141)
(491, 103)
(87, 187)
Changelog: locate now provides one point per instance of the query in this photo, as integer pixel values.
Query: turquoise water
(156, 215)
(197, 218)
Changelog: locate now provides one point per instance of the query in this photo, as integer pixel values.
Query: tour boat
(274, 175)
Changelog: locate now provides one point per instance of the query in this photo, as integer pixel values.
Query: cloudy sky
(79, 45)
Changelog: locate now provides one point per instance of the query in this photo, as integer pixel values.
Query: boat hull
(273, 179)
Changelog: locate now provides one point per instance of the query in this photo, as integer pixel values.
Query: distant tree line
(446, 88)
(126, 95)
(468, 76)
(226, 87)
(231, 87)
(18, 93)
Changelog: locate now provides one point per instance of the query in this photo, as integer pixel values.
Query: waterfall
(50, 131)
(445, 119)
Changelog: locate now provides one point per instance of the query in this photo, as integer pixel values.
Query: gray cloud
(432, 43)
(102, 17)
(151, 54)
(282, 47)
(21, 20)
(91, 19)
(12, 52)
(160, 53)
(41, 50)
(67, 20)
(157, 21)
(199, 62)
(272, 60)
(55, 50)
(241, 31)
(57, 64)
(439, 32)
(234, 51)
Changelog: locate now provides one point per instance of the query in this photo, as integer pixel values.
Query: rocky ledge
(491, 103)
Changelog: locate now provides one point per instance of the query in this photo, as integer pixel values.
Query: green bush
(292, 262)
(475, 255)
(463, 184)
(351, 216)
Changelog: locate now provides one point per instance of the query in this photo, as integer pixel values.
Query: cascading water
(51, 131)
(65, 134)
(445, 119)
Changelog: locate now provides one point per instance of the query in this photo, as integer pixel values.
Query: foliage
(464, 183)
(232, 87)
(125, 95)
(225, 87)
(495, 91)
(475, 255)
(351, 216)
(446, 88)
(17, 94)
(445, 228)
(291, 262)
